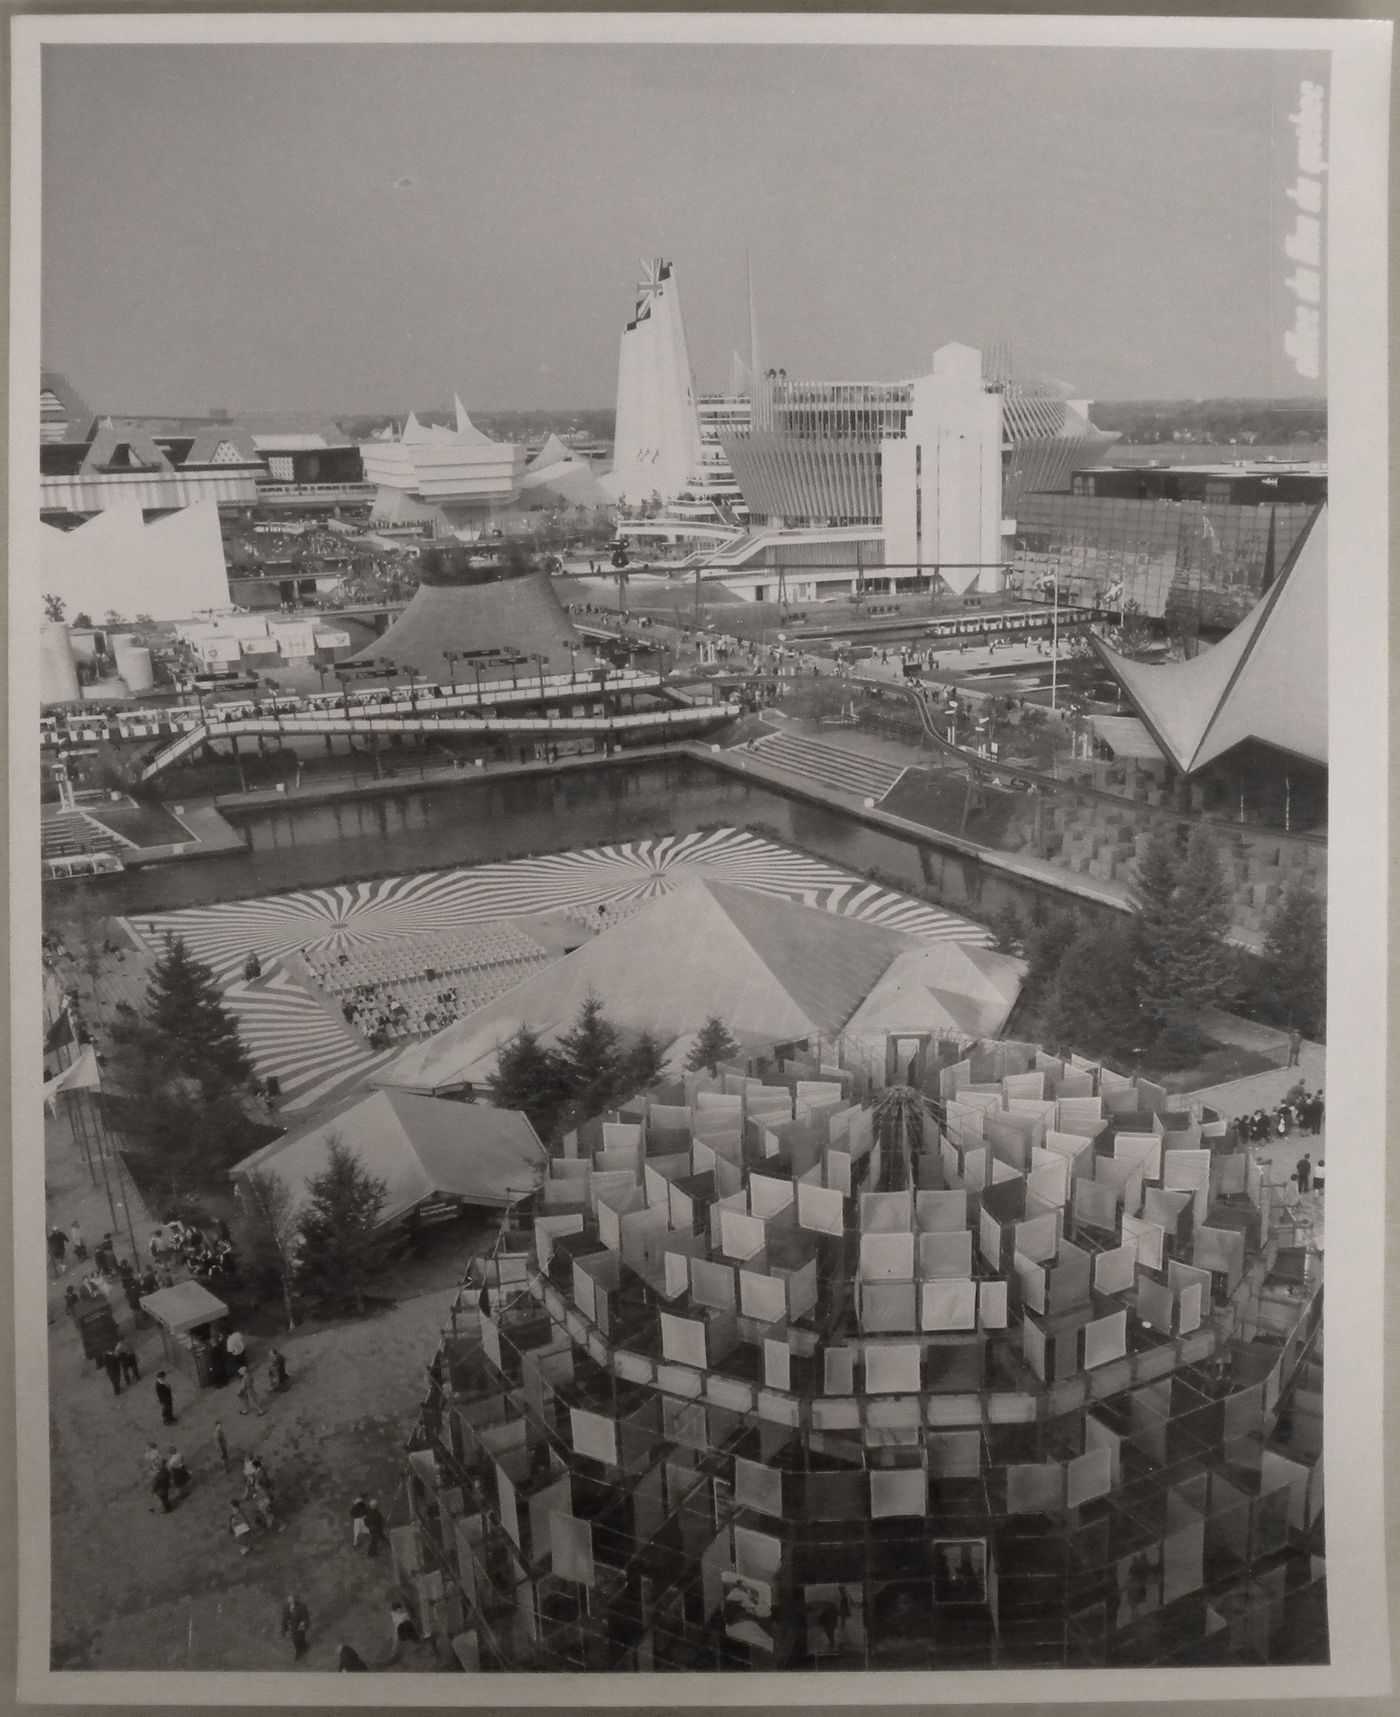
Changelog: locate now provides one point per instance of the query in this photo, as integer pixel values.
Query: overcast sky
(354, 229)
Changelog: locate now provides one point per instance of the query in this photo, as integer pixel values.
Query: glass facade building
(1196, 562)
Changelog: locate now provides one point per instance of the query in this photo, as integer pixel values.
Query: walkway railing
(321, 725)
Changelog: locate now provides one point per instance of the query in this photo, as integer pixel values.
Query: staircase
(830, 765)
(69, 834)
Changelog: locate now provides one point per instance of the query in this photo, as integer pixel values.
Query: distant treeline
(502, 425)
(1268, 421)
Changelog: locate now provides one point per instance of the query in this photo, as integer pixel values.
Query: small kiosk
(186, 1315)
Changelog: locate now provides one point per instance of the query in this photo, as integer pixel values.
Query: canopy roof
(184, 1307)
(1267, 681)
(1126, 736)
(773, 970)
(420, 1147)
(513, 615)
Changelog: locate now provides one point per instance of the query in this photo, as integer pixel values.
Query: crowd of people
(1301, 1111)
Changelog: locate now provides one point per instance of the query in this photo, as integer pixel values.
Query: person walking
(1295, 1046)
(240, 1528)
(248, 1397)
(235, 1347)
(296, 1624)
(152, 1461)
(255, 1475)
(166, 1396)
(1304, 1170)
(374, 1522)
(160, 1486)
(58, 1245)
(79, 1245)
(126, 1358)
(349, 1659)
(405, 1629)
(359, 1531)
(113, 1367)
(276, 1372)
(179, 1472)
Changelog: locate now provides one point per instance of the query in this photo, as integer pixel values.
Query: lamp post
(453, 657)
(1054, 641)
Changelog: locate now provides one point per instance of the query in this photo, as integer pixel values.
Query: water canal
(304, 846)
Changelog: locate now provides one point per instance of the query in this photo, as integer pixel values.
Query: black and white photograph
(698, 791)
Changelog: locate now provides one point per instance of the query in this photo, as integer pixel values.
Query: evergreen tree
(1203, 909)
(1092, 1004)
(590, 1058)
(341, 1241)
(1181, 959)
(713, 1044)
(1046, 943)
(185, 1011)
(642, 1064)
(266, 1238)
(1295, 960)
(1009, 931)
(528, 1078)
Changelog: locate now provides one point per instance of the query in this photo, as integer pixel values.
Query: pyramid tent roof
(513, 614)
(419, 1146)
(772, 969)
(1266, 681)
(944, 986)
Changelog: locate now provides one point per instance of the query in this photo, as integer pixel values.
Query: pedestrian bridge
(328, 724)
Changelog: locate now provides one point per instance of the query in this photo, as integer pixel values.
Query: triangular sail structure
(1266, 681)
(657, 445)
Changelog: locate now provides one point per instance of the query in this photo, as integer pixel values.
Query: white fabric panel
(887, 1257)
(1105, 1339)
(777, 1364)
(1089, 1476)
(593, 1435)
(893, 1370)
(886, 1212)
(992, 1305)
(1038, 1238)
(762, 1297)
(942, 1256)
(940, 1212)
(819, 1209)
(902, 1491)
(683, 1340)
(768, 1195)
(989, 1239)
(741, 1235)
(948, 1305)
(1114, 1270)
(1148, 1237)
(758, 1487)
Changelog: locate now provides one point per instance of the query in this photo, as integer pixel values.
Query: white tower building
(941, 500)
(657, 438)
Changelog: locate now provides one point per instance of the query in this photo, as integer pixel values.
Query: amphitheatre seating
(446, 953)
(67, 834)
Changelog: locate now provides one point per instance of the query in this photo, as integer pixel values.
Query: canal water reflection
(306, 846)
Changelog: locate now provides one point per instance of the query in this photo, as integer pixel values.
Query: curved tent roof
(420, 1147)
(1266, 681)
(521, 615)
